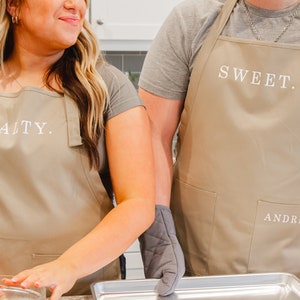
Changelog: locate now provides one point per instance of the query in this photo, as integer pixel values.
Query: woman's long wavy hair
(76, 75)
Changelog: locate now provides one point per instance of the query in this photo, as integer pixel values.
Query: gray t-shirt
(169, 62)
(122, 93)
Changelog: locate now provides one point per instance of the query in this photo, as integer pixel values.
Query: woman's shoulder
(122, 93)
(116, 81)
(110, 74)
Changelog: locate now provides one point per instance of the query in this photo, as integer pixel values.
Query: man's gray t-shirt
(169, 62)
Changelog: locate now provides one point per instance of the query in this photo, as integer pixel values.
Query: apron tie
(72, 113)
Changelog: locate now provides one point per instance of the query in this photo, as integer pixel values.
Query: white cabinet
(134, 262)
(128, 25)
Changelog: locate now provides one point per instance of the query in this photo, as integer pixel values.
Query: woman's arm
(132, 172)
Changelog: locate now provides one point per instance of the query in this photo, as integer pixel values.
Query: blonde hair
(75, 74)
(5, 26)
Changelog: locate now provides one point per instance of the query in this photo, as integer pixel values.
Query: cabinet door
(131, 20)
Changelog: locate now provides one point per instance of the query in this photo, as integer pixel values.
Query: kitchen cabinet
(128, 25)
(134, 262)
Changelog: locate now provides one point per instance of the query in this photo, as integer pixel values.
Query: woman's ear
(11, 7)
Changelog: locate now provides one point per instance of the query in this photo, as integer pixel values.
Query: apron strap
(73, 123)
(206, 48)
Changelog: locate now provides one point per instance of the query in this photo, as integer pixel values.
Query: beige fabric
(235, 198)
(50, 198)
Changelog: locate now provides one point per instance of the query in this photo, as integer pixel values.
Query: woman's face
(49, 24)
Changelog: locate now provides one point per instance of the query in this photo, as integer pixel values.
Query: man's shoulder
(199, 5)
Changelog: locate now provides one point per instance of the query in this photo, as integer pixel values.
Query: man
(227, 72)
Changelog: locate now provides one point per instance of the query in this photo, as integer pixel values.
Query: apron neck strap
(208, 44)
(73, 122)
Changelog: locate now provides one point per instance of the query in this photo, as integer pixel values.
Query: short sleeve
(122, 93)
(122, 96)
(169, 61)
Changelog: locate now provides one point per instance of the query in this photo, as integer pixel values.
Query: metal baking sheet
(264, 286)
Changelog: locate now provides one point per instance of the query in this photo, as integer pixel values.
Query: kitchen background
(125, 30)
(130, 62)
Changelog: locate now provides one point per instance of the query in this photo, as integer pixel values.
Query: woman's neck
(273, 4)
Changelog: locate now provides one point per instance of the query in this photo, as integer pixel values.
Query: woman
(61, 123)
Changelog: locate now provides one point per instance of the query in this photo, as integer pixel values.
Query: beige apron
(50, 198)
(236, 191)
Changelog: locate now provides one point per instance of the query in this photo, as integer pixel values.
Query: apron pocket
(193, 209)
(41, 258)
(15, 255)
(276, 238)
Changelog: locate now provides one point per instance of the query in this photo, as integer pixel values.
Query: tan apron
(236, 190)
(50, 198)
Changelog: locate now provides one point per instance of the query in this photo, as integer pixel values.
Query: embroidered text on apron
(50, 198)
(236, 189)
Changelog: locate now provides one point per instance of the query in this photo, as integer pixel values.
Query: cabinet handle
(99, 22)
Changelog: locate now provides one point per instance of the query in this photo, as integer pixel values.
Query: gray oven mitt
(161, 252)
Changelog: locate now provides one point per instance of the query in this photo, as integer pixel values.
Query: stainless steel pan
(265, 286)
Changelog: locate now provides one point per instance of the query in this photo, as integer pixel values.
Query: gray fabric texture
(169, 61)
(122, 93)
(161, 252)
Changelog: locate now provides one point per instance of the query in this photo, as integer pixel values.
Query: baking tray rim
(143, 286)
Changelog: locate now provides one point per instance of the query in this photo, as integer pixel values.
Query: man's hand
(161, 252)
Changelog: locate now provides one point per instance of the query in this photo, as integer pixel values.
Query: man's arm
(161, 252)
(164, 117)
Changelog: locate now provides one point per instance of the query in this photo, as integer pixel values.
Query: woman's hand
(57, 276)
